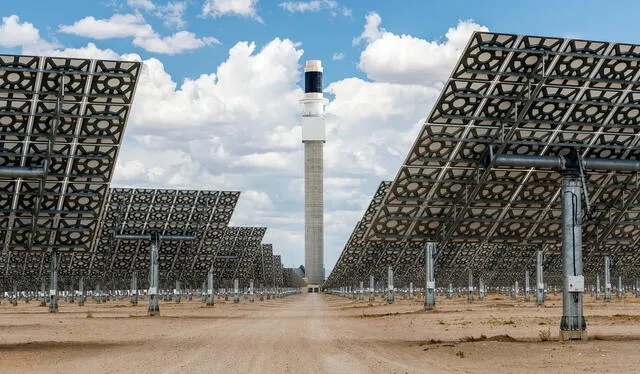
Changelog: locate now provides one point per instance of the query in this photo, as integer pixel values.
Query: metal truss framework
(278, 277)
(519, 95)
(263, 273)
(61, 125)
(236, 256)
(173, 213)
(203, 215)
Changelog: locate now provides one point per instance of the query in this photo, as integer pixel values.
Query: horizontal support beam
(560, 162)
(148, 237)
(21, 172)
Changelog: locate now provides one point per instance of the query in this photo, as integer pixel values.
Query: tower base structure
(568, 335)
(313, 288)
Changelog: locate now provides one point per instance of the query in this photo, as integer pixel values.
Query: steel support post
(53, 284)
(210, 296)
(450, 291)
(154, 277)
(430, 281)
(607, 278)
(516, 290)
(133, 293)
(81, 291)
(43, 293)
(539, 278)
(14, 301)
(481, 288)
(470, 287)
(251, 295)
(527, 290)
(236, 291)
(637, 287)
(361, 295)
(178, 292)
(598, 287)
(410, 290)
(572, 324)
(71, 293)
(98, 294)
(620, 290)
(390, 296)
(372, 289)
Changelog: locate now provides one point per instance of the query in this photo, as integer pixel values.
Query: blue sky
(235, 125)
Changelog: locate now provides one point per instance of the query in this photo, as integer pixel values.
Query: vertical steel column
(410, 290)
(607, 278)
(526, 285)
(539, 278)
(14, 302)
(516, 290)
(71, 292)
(236, 291)
(81, 296)
(372, 289)
(430, 281)
(390, 296)
(154, 275)
(450, 291)
(133, 293)
(572, 324)
(481, 288)
(251, 296)
(210, 296)
(361, 296)
(598, 287)
(470, 287)
(637, 287)
(53, 284)
(178, 293)
(96, 294)
(43, 292)
(620, 293)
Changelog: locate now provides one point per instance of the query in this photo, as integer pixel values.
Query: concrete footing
(567, 335)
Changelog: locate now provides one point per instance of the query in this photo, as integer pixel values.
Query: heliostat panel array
(521, 95)
(263, 266)
(69, 114)
(203, 214)
(241, 243)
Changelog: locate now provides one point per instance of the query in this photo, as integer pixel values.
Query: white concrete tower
(313, 137)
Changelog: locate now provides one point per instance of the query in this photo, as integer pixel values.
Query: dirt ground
(314, 333)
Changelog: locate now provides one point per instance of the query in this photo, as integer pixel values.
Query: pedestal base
(567, 335)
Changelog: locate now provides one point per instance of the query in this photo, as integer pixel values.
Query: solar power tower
(161, 231)
(534, 140)
(313, 137)
(62, 121)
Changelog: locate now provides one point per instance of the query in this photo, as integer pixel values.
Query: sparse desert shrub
(470, 339)
(545, 335)
(89, 315)
(460, 354)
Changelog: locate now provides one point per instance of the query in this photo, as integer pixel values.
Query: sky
(217, 102)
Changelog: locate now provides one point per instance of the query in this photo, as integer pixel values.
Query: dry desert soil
(317, 333)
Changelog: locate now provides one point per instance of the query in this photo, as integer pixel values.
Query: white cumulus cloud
(242, 8)
(134, 26)
(408, 59)
(141, 4)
